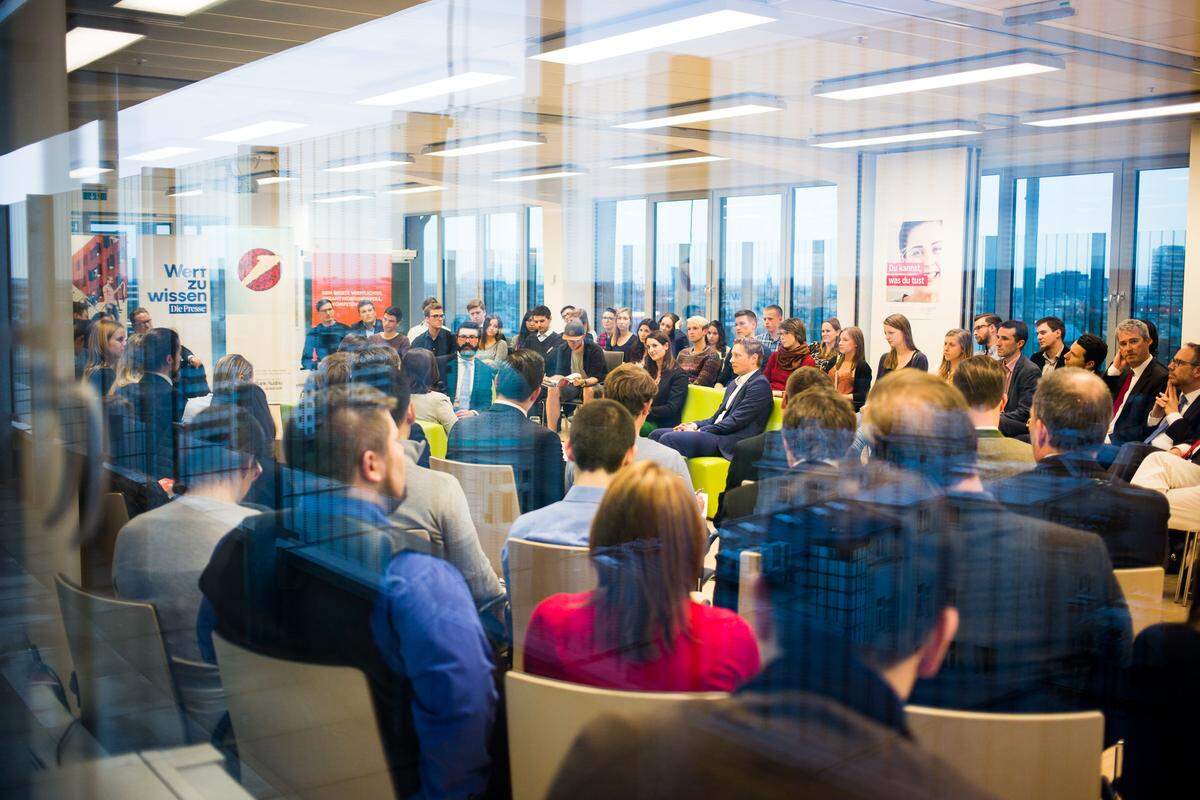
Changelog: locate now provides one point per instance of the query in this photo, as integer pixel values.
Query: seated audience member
(744, 410)
(625, 339)
(390, 334)
(634, 389)
(601, 441)
(503, 434)
(493, 347)
(157, 402)
(825, 350)
(714, 335)
(379, 366)
(537, 336)
(671, 380)
(1087, 352)
(334, 370)
(745, 323)
(791, 354)
(669, 324)
(476, 314)
(902, 353)
(420, 368)
(985, 326)
(851, 374)
(1175, 418)
(699, 360)
(413, 630)
(1052, 350)
(468, 380)
(763, 454)
(1136, 380)
(352, 343)
(160, 554)
(769, 338)
(1021, 377)
(575, 370)
(639, 629)
(421, 327)
(322, 338)
(436, 339)
(1176, 475)
(981, 380)
(368, 324)
(106, 343)
(956, 348)
(1043, 626)
(233, 385)
(608, 328)
(826, 717)
(1068, 486)
(131, 363)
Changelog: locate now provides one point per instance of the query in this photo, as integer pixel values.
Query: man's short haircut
(380, 354)
(574, 329)
(819, 425)
(340, 424)
(468, 325)
(520, 375)
(475, 303)
(697, 320)
(803, 379)
(335, 369)
(159, 344)
(218, 444)
(753, 348)
(745, 312)
(631, 386)
(1053, 323)
(1020, 329)
(324, 301)
(1137, 325)
(981, 380)
(1075, 407)
(394, 311)
(540, 311)
(918, 422)
(1094, 349)
(601, 434)
(990, 319)
(364, 304)
(773, 307)
(432, 307)
(139, 311)
(352, 343)
(382, 370)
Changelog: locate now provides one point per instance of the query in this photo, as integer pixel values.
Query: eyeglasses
(437, 316)
(1175, 362)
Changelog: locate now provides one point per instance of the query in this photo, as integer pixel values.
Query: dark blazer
(443, 345)
(321, 340)
(501, 434)
(747, 416)
(1039, 359)
(1186, 429)
(667, 408)
(1043, 624)
(546, 349)
(481, 389)
(157, 406)
(756, 457)
(1074, 490)
(1014, 419)
(679, 341)
(360, 328)
(1131, 425)
(594, 365)
(632, 349)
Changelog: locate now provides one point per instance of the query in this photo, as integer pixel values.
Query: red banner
(346, 279)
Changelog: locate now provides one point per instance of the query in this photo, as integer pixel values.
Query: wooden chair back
(492, 497)
(536, 571)
(1143, 590)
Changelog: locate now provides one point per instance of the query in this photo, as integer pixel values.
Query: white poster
(919, 248)
(175, 286)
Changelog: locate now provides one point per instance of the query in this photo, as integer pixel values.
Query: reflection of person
(322, 338)
(921, 243)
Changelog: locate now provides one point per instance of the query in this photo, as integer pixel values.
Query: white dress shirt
(466, 379)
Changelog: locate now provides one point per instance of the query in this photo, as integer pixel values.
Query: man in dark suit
(1136, 380)
(743, 412)
(1022, 377)
(1175, 418)
(476, 393)
(1070, 487)
(503, 434)
(368, 324)
(157, 403)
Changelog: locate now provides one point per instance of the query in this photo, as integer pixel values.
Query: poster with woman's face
(914, 274)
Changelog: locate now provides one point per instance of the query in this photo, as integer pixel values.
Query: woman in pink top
(640, 629)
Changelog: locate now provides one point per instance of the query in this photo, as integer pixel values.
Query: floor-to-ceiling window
(750, 254)
(501, 265)
(1159, 238)
(421, 236)
(814, 256)
(680, 257)
(459, 259)
(987, 241)
(620, 242)
(535, 292)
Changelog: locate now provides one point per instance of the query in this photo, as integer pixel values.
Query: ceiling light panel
(597, 44)
(85, 45)
(342, 198)
(87, 172)
(1095, 115)
(438, 88)
(483, 144)
(883, 136)
(366, 164)
(541, 174)
(257, 131)
(679, 159)
(174, 8)
(185, 193)
(415, 188)
(702, 111)
(940, 75)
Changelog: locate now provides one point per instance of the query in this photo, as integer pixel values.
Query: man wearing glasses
(436, 338)
(468, 380)
(321, 339)
(1174, 421)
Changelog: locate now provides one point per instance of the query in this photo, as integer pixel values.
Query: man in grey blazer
(1021, 382)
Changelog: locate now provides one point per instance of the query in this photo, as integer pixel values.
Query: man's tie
(1191, 451)
(1162, 426)
(1120, 398)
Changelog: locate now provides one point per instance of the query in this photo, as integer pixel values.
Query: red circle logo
(259, 269)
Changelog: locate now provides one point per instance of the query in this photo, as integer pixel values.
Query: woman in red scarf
(791, 355)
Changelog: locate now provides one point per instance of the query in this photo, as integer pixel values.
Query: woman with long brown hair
(825, 350)
(902, 353)
(640, 629)
(851, 373)
(106, 345)
(791, 355)
(667, 409)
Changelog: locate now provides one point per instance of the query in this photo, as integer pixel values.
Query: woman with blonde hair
(825, 350)
(902, 353)
(639, 629)
(625, 339)
(130, 364)
(956, 348)
(106, 345)
(700, 361)
(851, 373)
(233, 385)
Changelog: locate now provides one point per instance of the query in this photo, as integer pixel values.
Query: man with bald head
(1067, 426)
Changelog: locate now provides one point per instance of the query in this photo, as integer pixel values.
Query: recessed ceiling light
(483, 144)
(258, 130)
(739, 105)
(343, 197)
(179, 192)
(1148, 108)
(940, 75)
(272, 179)
(161, 153)
(414, 188)
(598, 44)
(438, 88)
(85, 44)
(676, 159)
(88, 172)
(367, 163)
(542, 174)
(894, 135)
(175, 8)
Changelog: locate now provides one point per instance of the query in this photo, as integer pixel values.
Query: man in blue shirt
(602, 440)
(331, 580)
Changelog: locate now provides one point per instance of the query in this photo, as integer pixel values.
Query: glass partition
(751, 272)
